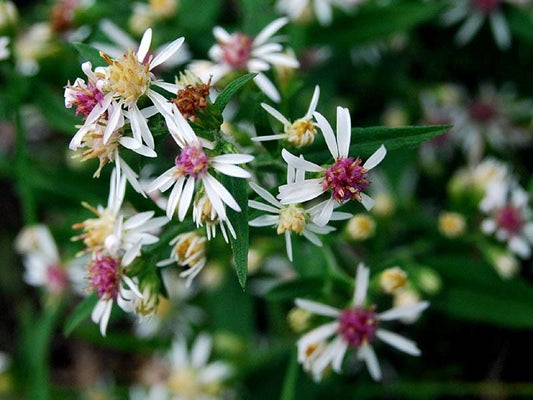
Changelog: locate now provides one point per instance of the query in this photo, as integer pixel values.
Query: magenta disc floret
(482, 111)
(192, 161)
(87, 99)
(510, 218)
(346, 179)
(105, 274)
(56, 278)
(358, 325)
(236, 51)
(485, 6)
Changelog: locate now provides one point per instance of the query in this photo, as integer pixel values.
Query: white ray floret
(328, 343)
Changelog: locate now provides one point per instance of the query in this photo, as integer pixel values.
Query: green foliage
(81, 313)
(89, 53)
(239, 220)
(229, 91)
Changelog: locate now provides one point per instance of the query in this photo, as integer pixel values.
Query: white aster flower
(122, 42)
(322, 9)
(175, 314)
(43, 265)
(125, 81)
(4, 48)
(355, 327)
(475, 12)
(192, 376)
(205, 214)
(85, 96)
(345, 178)
(240, 52)
(188, 251)
(30, 47)
(292, 218)
(192, 165)
(509, 217)
(107, 278)
(114, 231)
(299, 133)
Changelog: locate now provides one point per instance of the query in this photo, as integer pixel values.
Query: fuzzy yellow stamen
(292, 218)
(127, 76)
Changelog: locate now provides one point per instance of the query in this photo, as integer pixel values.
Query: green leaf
(80, 313)
(239, 220)
(365, 141)
(291, 378)
(373, 22)
(229, 91)
(300, 287)
(475, 292)
(89, 53)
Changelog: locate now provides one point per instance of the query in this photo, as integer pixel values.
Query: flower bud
(392, 280)
(429, 281)
(298, 319)
(452, 224)
(361, 227)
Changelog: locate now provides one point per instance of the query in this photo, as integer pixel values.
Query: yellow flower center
(163, 8)
(96, 229)
(361, 227)
(452, 224)
(301, 133)
(128, 77)
(184, 382)
(95, 147)
(292, 218)
(190, 248)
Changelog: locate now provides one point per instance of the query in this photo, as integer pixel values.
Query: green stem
(27, 198)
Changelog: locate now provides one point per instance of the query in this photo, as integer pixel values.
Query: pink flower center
(192, 161)
(56, 278)
(482, 111)
(346, 179)
(510, 219)
(87, 99)
(485, 6)
(236, 51)
(104, 275)
(358, 325)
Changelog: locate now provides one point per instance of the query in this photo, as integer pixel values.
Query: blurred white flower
(240, 52)
(31, 46)
(322, 9)
(41, 259)
(475, 12)
(4, 47)
(509, 216)
(355, 327)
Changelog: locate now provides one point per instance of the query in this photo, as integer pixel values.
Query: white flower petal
(232, 158)
(167, 52)
(344, 133)
(186, 198)
(264, 220)
(369, 356)
(276, 114)
(265, 194)
(300, 163)
(231, 170)
(402, 312)
(327, 131)
(314, 102)
(269, 30)
(263, 207)
(361, 284)
(267, 87)
(318, 308)
(375, 158)
(398, 342)
(144, 47)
